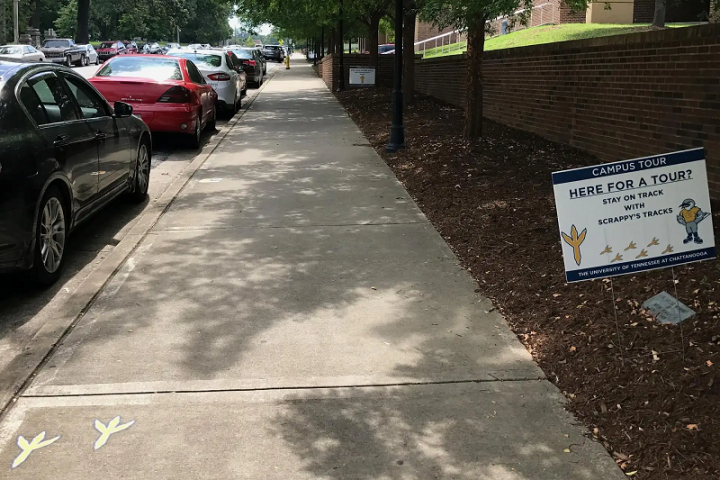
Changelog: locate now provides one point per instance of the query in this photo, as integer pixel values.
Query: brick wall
(563, 14)
(424, 30)
(329, 68)
(643, 11)
(617, 97)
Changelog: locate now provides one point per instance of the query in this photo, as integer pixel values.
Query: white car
(91, 55)
(220, 73)
(22, 52)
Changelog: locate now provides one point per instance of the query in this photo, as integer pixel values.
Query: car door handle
(100, 136)
(61, 140)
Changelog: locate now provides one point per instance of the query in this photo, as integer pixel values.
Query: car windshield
(272, 47)
(10, 50)
(143, 67)
(56, 43)
(243, 54)
(201, 60)
(108, 45)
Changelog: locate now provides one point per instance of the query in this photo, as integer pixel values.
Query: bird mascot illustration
(690, 216)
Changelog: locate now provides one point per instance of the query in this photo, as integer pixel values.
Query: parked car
(219, 71)
(91, 55)
(274, 52)
(168, 93)
(66, 154)
(251, 64)
(108, 50)
(62, 50)
(386, 49)
(130, 46)
(172, 46)
(261, 58)
(154, 48)
(25, 53)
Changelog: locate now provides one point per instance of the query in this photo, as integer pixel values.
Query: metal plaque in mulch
(652, 398)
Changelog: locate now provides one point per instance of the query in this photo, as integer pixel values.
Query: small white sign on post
(634, 215)
(362, 76)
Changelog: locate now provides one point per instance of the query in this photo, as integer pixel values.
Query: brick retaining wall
(617, 97)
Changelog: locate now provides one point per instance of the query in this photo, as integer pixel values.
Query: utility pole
(16, 21)
(397, 131)
(178, 34)
(341, 80)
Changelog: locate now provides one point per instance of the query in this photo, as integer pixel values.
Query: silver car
(91, 56)
(22, 52)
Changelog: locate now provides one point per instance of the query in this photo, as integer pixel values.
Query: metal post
(397, 131)
(16, 21)
(178, 35)
(341, 80)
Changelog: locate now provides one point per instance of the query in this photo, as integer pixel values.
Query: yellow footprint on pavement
(107, 430)
(28, 448)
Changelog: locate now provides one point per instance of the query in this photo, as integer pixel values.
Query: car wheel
(141, 183)
(97, 60)
(68, 61)
(50, 237)
(195, 139)
(212, 123)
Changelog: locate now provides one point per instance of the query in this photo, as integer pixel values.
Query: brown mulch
(652, 398)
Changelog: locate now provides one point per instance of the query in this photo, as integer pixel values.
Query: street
(25, 309)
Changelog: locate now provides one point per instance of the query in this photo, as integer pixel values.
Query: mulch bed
(653, 398)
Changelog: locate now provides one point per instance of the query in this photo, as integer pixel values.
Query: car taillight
(175, 95)
(252, 63)
(219, 77)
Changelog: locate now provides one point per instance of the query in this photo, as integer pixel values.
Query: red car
(168, 93)
(107, 50)
(130, 46)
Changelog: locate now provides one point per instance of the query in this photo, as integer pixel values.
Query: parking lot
(24, 309)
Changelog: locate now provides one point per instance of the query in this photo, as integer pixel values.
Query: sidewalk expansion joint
(299, 387)
(314, 225)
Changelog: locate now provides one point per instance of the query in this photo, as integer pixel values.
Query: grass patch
(546, 34)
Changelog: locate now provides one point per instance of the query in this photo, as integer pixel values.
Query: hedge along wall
(617, 97)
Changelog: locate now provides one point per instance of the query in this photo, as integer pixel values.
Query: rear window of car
(56, 43)
(10, 50)
(143, 67)
(243, 54)
(201, 60)
(272, 47)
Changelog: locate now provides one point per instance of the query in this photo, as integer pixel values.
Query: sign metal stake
(617, 323)
(677, 306)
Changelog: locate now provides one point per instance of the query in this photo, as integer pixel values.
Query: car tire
(212, 123)
(50, 237)
(97, 60)
(141, 182)
(68, 61)
(195, 137)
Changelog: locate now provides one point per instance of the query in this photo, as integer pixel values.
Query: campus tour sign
(361, 76)
(634, 215)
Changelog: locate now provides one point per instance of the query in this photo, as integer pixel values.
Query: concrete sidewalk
(294, 315)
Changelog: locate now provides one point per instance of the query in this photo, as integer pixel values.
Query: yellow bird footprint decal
(643, 253)
(655, 241)
(632, 246)
(668, 249)
(618, 258)
(27, 448)
(575, 240)
(608, 249)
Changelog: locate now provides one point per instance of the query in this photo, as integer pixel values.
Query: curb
(20, 372)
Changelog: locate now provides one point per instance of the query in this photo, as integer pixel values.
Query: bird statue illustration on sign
(690, 216)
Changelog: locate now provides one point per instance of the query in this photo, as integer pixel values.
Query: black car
(64, 154)
(274, 52)
(251, 64)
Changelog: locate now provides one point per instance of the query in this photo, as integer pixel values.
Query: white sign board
(642, 214)
(362, 76)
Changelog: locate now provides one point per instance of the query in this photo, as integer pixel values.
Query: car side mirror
(123, 110)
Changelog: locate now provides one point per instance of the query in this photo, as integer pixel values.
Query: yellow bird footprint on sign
(608, 249)
(668, 249)
(618, 258)
(632, 246)
(575, 240)
(643, 253)
(655, 241)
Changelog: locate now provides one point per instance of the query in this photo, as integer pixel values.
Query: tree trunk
(473, 104)
(322, 42)
(409, 52)
(35, 22)
(83, 22)
(3, 20)
(373, 32)
(659, 17)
